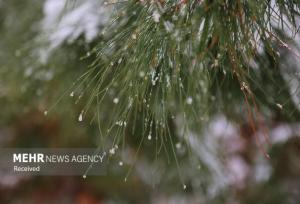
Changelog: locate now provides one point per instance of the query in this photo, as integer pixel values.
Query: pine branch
(159, 60)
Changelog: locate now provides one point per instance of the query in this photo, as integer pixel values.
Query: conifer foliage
(160, 62)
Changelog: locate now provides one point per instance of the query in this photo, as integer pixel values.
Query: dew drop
(80, 118)
(133, 36)
(149, 137)
(84, 176)
(178, 145)
(119, 123)
(119, 61)
(116, 100)
(184, 186)
(279, 106)
(120, 163)
(112, 151)
(72, 94)
(142, 74)
(45, 112)
(189, 100)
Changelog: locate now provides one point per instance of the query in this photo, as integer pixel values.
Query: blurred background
(41, 46)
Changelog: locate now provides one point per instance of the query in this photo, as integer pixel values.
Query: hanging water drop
(120, 163)
(80, 118)
(45, 112)
(120, 60)
(72, 94)
(178, 145)
(189, 100)
(149, 137)
(133, 36)
(112, 151)
(279, 106)
(142, 74)
(116, 100)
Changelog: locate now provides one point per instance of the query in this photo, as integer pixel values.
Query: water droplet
(189, 100)
(112, 151)
(120, 163)
(279, 106)
(45, 112)
(84, 176)
(120, 60)
(244, 86)
(72, 94)
(142, 74)
(120, 123)
(149, 137)
(133, 36)
(116, 100)
(184, 186)
(215, 64)
(178, 145)
(80, 118)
